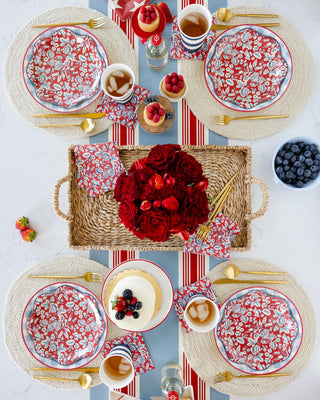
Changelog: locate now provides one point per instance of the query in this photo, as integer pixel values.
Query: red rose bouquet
(163, 194)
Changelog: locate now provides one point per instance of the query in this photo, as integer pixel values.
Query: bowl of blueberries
(296, 163)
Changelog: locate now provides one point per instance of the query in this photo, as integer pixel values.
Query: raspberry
(169, 87)
(174, 75)
(156, 105)
(143, 9)
(180, 78)
(180, 84)
(161, 112)
(151, 9)
(174, 81)
(142, 18)
(150, 116)
(133, 300)
(156, 118)
(167, 79)
(147, 13)
(150, 108)
(148, 20)
(128, 313)
(155, 111)
(175, 89)
(153, 16)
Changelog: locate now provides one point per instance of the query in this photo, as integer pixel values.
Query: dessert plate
(248, 68)
(64, 326)
(161, 278)
(260, 330)
(62, 68)
(142, 34)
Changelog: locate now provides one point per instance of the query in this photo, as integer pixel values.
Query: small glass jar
(156, 49)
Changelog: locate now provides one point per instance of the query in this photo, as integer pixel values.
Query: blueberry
(138, 305)
(299, 184)
(147, 100)
(290, 175)
(286, 168)
(301, 158)
(127, 294)
(281, 176)
(314, 148)
(288, 155)
(307, 173)
(288, 181)
(281, 153)
(295, 148)
(135, 314)
(308, 162)
(131, 307)
(285, 162)
(318, 156)
(314, 175)
(306, 180)
(278, 160)
(300, 144)
(120, 315)
(300, 171)
(307, 154)
(293, 169)
(293, 158)
(169, 115)
(297, 164)
(154, 98)
(316, 162)
(278, 170)
(314, 168)
(287, 146)
(307, 147)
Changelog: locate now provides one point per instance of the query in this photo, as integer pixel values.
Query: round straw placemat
(205, 358)
(204, 106)
(19, 295)
(112, 38)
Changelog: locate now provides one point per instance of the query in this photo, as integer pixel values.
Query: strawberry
(164, 7)
(28, 235)
(123, 302)
(22, 223)
(119, 307)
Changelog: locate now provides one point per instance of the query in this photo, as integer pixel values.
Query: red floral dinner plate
(64, 326)
(260, 330)
(62, 68)
(248, 68)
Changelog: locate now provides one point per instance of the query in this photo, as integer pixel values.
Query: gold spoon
(225, 15)
(87, 125)
(85, 380)
(232, 271)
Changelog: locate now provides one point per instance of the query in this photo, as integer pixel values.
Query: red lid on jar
(156, 39)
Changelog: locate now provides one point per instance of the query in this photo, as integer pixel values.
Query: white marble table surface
(288, 235)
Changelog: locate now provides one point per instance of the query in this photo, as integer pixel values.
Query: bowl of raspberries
(296, 163)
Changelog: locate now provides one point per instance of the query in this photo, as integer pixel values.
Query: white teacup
(117, 370)
(201, 313)
(111, 69)
(194, 43)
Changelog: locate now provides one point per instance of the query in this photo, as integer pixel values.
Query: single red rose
(128, 214)
(155, 224)
(195, 210)
(147, 193)
(130, 189)
(142, 174)
(118, 188)
(180, 192)
(161, 156)
(189, 170)
(145, 205)
(170, 203)
(177, 225)
(156, 182)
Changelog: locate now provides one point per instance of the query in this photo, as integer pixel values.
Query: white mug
(210, 322)
(110, 375)
(116, 67)
(194, 43)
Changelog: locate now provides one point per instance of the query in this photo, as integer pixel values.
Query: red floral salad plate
(260, 330)
(62, 68)
(248, 68)
(64, 326)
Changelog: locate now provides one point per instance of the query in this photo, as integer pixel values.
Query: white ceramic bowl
(309, 185)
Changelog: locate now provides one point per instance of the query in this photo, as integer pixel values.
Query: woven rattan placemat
(205, 358)
(204, 106)
(110, 35)
(21, 292)
(94, 222)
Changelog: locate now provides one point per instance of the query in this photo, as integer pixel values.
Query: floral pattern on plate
(248, 68)
(62, 68)
(260, 330)
(64, 326)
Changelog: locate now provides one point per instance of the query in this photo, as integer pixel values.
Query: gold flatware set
(225, 119)
(88, 276)
(224, 15)
(218, 27)
(227, 376)
(85, 380)
(92, 23)
(87, 125)
(87, 115)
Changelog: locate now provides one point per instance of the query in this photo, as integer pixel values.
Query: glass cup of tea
(194, 22)
(117, 370)
(201, 313)
(117, 82)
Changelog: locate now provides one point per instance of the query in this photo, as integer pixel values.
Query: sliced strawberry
(164, 7)
(22, 223)
(28, 235)
(119, 307)
(123, 302)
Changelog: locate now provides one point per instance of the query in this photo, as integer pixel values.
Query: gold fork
(225, 119)
(88, 276)
(227, 376)
(92, 23)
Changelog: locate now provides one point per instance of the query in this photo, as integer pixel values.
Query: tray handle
(56, 194)
(265, 198)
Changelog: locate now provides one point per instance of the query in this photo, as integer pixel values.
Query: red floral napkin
(98, 167)
(218, 243)
(182, 296)
(125, 8)
(125, 114)
(178, 51)
(141, 359)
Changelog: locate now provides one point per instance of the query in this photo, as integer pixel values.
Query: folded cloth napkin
(141, 359)
(125, 114)
(178, 51)
(218, 243)
(125, 8)
(98, 167)
(182, 296)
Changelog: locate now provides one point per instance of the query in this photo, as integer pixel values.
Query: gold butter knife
(217, 27)
(92, 115)
(93, 370)
(225, 280)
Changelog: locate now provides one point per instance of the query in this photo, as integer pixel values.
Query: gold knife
(92, 115)
(92, 370)
(225, 280)
(217, 27)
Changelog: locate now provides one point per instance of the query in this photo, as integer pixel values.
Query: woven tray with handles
(94, 222)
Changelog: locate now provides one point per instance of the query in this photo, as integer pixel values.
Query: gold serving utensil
(224, 15)
(227, 376)
(225, 280)
(92, 23)
(88, 276)
(232, 271)
(87, 125)
(85, 380)
(90, 115)
(92, 370)
(217, 27)
(225, 119)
